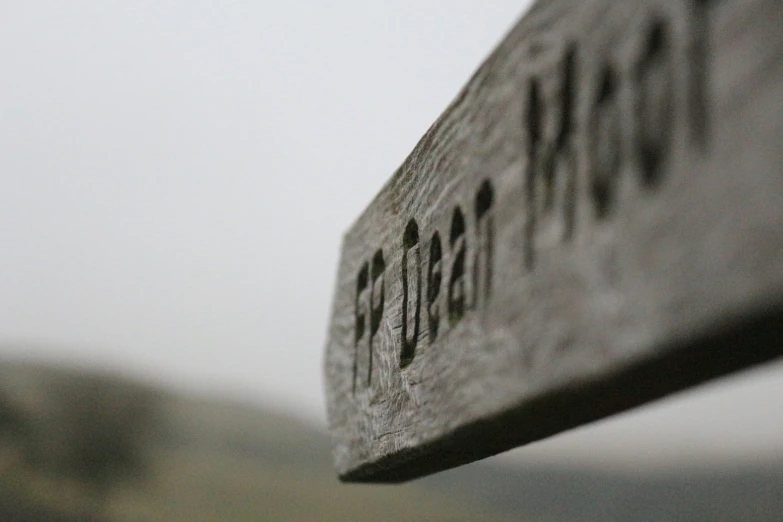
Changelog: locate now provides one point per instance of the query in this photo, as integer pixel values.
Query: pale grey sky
(175, 178)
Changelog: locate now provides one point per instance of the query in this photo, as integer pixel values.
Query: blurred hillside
(161, 457)
(76, 446)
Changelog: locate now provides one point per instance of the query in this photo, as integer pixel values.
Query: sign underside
(595, 222)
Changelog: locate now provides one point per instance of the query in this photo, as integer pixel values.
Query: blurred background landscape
(80, 446)
(175, 178)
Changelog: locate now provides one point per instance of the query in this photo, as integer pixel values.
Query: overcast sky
(175, 178)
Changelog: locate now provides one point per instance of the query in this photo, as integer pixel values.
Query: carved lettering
(457, 281)
(565, 149)
(605, 141)
(411, 293)
(698, 78)
(482, 265)
(368, 308)
(551, 167)
(377, 298)
(361, 310)
(541, 196)
(550, 177)
(434, 281)
(535, 130)
(655, 103)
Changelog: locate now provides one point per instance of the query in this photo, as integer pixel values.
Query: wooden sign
(595, 222)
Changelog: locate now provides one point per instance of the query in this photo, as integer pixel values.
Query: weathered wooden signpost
(595, 222)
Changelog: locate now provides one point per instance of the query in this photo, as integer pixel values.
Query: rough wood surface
(595, 222)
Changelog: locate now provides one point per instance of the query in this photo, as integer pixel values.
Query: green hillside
(76, 446)
(194, 460)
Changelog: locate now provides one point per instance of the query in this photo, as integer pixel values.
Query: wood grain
(595, 222)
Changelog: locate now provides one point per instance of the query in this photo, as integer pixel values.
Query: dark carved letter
(565, 153)
(411, 293)
(605, 142)
(535, 129)
(655, 103)
(551, 168)
(434, 280)
(482, 267)
(360, 312)
(457, 277)
(377, 298)
(698, 75)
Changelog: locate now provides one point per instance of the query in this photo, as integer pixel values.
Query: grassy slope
(218, 461)
(231, 463)
(213, 461)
